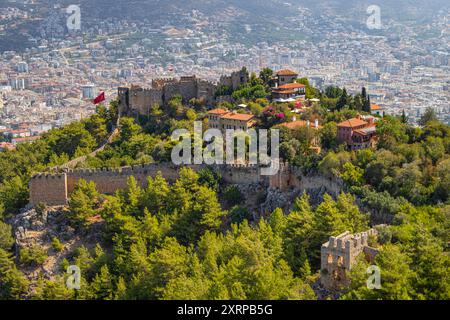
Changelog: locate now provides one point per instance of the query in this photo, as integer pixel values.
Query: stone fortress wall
(135, 100)
(48, 188)
(288, 177)
(338, 255)
(55, 189)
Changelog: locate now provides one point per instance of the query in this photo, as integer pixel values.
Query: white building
(88, 91)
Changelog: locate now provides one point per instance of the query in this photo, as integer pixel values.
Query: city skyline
(400, 70)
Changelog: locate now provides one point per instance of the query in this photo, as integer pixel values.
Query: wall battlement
(56, 188)
(136, 100)
(339, 254)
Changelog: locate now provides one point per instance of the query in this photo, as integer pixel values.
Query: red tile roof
(291, 86)
(7, 146)
(298, 123)
(238, 116)
(351, 123)
(374, 107)
(218, 111)
(19, 131)
(286, 72)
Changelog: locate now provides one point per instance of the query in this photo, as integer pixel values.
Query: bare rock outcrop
(38, 227)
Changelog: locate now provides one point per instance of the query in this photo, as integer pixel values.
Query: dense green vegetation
(410, 163)
(175, 241)
(194, 239)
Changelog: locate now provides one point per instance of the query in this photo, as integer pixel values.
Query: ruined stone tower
(339, 254)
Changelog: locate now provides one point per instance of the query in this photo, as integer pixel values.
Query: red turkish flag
(100, 98)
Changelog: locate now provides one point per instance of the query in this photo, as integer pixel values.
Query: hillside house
(315, 141)
(223, 119)
(358, 133)
(376, 110)
(284, 87)
(289, 91)
(285, 76)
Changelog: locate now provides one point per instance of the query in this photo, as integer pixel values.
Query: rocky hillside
(39, 227)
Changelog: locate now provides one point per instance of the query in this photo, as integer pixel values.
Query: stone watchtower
(339, 254)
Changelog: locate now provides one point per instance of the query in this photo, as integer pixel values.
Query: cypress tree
(367, 104)
(404, 117)
(364, 94)
(343, 100)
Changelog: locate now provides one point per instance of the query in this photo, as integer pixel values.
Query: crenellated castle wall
(139, 100)
(55, 189)
(135, 100)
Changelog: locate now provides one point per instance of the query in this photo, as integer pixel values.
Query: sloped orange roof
(238, 116)
(350, 123)
(218, 111)
(291, 86)
(299, 123)
(7, 145)
(374, 107)
(286, 72)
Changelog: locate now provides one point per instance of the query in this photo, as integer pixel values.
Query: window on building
(335, 275)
